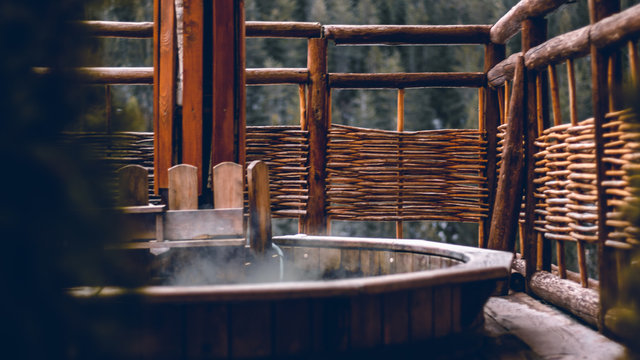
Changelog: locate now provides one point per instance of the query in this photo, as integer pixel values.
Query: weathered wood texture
(163, 117)
(615, 28)
(227, 185)
(203, 224)
(503, 71)
(277, 76)
(493, 54)
(510, 182)
(509, 24)
(318, 122)
(192, 82)
(283, 29)
(133, 186)
(407, 34)
(573, 44)
(121, 29)
(259, 207)
(406, 80)
(183, 187)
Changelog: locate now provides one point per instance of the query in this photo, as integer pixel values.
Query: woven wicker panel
(388, 175)
(118, 149)
(285, 150)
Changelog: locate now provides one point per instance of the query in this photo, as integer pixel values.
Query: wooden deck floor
(516, 327)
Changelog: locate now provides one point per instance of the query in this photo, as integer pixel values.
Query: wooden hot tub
(381, 292)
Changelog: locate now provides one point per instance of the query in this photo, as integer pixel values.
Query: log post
(316, 217)
(598, 10)
(493, 54)
(506, 209)
(534, 32)
(259, 207)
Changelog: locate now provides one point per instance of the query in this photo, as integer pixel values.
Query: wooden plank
(405, 80)
(259, 207)
(156, 90)
(251, 330)
(403, 261)
(240, 110)
(183, 187)
(509, 193)
(203, 224)
(277, 76)
(293, 335)
(133, 186)
(350, 260)
(509, 24)
(422, 313)
(207, 331)
(332, 320)
(328, 259)
(283, 29)
(228, 189)
(407, 34)
(192, 77)
(395, 318)
(121, 29)
(442, 311)
(316, 217)
(224, 147)
(163, 125)
(306, 261)
(368, 263)
(160, 244)
(493, 54)
(366, 323)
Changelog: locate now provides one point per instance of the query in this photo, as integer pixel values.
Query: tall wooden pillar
(318, 124)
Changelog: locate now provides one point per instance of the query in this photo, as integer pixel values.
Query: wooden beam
(318, 126)
(277, 76)
(405, 80)
(240, 110)
(503, 71)
(283, 29)
(192, 77)
(573, 45)
(107, 75)
(407, 34)
(509, 24)
(156, 88)
(121, 29)
(493, 54)
(163, 125)
(506, 208)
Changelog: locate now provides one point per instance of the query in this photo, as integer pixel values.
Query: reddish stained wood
(277, 76)
(240, 79)
(283, 29)
(121, 29)
(107, 75)
(259, 206)
(192, 86)
(493, 54)
(422, 313)
(395, 312)
(316, 218)
(408, 34)
(400, 128)
(163, 125)
(509, 193)
(405, 80)
(156, 89)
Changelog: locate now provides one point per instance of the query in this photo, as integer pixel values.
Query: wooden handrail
(405, 80)
(407, 34)
(107, 75)
(277, 76)
(509, 25)
(283, 29)
(137, 30)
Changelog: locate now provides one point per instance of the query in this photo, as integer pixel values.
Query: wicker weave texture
(285, 150)
(388, 175)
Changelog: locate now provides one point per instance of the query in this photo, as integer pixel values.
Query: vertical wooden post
(506, 209)
(493, 54)
(400, 128)
(316, 218)
(259, 207)
(192, 77)
(534, 32)
(183, 187)
(228, 83)
(164, 90)
(599, 9)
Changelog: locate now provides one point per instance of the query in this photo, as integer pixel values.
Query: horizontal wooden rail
(107, 75)
(509, 25)
(277, 76)
(284, 29)
(405, 80)
(607, 32)
(407, 34)
(138, 30)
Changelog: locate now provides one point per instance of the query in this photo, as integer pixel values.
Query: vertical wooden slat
(303, 106)
(133, 186)
(395, 314)
(442, 312)
(183, 187)
(227, 181)
(292, 327)
(192, 103)
(493, 54)
(543, 255)
(573, 103)
(259, 207)
(506, 210)
(207, 331)
(366, 322)
(163, 118)
(422, 313)
(599, 9)
(251, 330)
(400, 128)
(240, 115)
(316, 218)
(534, 32)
